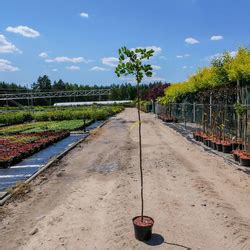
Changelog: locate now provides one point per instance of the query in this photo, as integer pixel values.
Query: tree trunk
(140, 147)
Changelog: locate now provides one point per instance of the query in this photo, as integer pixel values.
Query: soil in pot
(143, 229)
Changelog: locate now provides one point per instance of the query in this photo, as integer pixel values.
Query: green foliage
(131, 63)
(15, 118)
(36, 127)
(90, 113)
(224, 69)
(240, 109)
(43, 84)
(239, 68)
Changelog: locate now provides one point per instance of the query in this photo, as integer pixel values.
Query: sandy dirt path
(88, 199)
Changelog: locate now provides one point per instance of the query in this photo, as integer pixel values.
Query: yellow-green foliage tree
(239, 67)
(224, 69)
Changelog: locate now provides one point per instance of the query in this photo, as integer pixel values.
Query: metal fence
(218, 120)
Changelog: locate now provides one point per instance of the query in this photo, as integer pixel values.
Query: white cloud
(73, 68)
(84, 15)
(6, 46)
(157, 50)
(154, 78)
(6, 66)
(44, 55)
(62, 59)
(191, 40)
(233, 53)
(96, 68)
(113, 61)
(110, 61)
(185, 67)
(163, 57)
(182, 56)
(54, 70)
(210, 58)
(156, 67)
(216, 38)
(24, 31)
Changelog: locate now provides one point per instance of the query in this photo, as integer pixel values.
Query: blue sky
(78, 40)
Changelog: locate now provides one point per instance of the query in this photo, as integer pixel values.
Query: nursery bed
(29, 166)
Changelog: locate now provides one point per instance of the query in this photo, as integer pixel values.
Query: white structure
(66, 104)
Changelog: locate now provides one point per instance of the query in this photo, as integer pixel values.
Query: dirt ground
(87, 201)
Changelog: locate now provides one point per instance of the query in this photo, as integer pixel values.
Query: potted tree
(131, 63)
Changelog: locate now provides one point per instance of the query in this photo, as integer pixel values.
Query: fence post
(194, 112)
(184, 114)
(210, 109)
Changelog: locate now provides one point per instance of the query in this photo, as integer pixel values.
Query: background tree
(43, 84)
(156, 90)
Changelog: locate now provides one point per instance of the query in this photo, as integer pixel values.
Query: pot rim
(144, 216)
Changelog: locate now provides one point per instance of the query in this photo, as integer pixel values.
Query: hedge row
(226, 68)
(92, 113)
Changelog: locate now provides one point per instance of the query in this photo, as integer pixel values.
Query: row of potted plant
(15, 148)
(227, 146)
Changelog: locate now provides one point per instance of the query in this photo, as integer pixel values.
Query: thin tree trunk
(140, 147)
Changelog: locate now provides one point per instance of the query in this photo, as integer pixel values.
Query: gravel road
(87, 200)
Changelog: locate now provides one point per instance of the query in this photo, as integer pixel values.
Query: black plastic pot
(210, 144)
(236, 157)
(245, 162)
(206, 142)
(219, 147)
(235, 146)
(214, 146)
(143, 233)
(227, 149)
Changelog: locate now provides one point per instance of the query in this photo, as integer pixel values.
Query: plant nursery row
(91, 113)
(17, 147)
(227, 146)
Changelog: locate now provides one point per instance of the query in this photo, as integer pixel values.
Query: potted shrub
(244, 158)
(131, 63)
(227, 146)
(236, 154)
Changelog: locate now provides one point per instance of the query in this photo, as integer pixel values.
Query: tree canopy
(224, 70)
